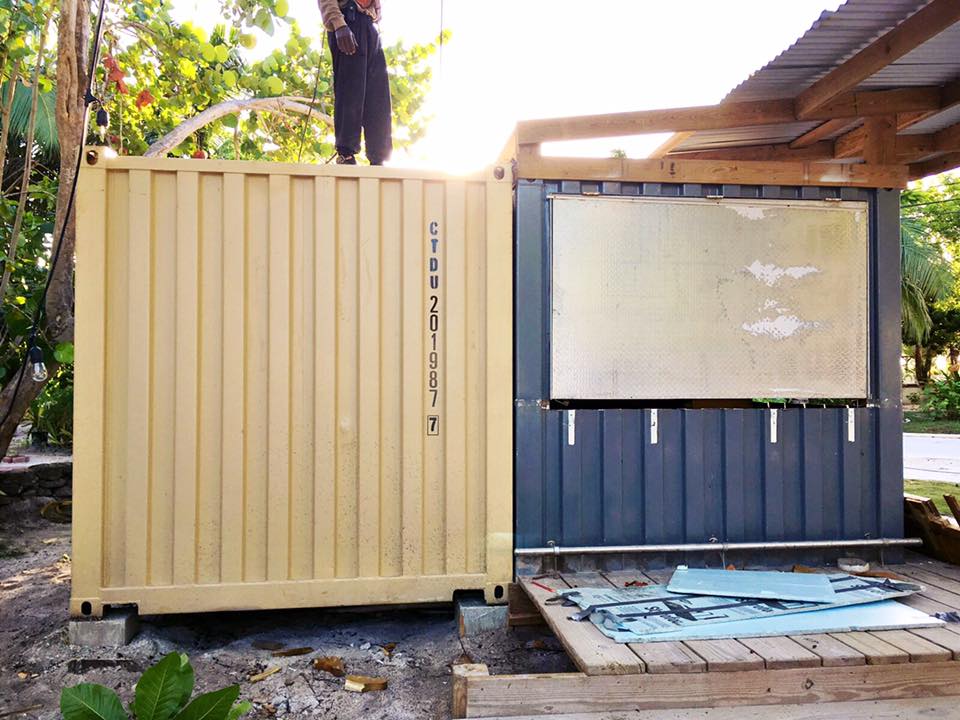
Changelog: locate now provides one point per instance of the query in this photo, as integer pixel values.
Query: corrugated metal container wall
(594, 476)
(293, 386)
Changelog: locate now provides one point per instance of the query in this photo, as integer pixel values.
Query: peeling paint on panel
(779, 328)
(748, 212)
(771, 274)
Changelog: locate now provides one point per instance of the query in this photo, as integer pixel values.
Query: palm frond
(923, 264)
(915, 316)
(45, 134)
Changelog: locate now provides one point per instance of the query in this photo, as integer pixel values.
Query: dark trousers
(361, 91)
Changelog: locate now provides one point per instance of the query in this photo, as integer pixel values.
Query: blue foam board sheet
(764, 584)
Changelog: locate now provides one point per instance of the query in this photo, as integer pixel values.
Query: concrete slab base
(116, 628)
(474, 616)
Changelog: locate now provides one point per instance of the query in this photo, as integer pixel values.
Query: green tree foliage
(159, 73)
(155, 74)
(930, 259)
(162, 693)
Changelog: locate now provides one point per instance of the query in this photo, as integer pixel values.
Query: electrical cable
(34, 354)
(316, 85)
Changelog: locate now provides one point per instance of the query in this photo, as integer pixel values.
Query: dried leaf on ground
(635, 583)
(362, 683)
(389, 648)
(267, 645)
(536, 645)
(264, 675)
(332, 665)
(58, 511)
(293, 652)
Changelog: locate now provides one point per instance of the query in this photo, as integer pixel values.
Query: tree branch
(27, 168)
(280, 105)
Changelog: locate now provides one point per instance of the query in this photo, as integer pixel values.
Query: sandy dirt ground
(36, 662)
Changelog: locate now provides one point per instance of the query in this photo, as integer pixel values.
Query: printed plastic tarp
(767, 584)
(631, 614)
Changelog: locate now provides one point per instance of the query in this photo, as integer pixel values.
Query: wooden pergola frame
(875, 153)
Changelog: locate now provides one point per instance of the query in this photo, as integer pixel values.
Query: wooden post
(880, 140)
(461, 673)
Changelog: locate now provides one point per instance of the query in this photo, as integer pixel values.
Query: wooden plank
(931, 591)
(919, 649)
(943, 637)
(820, 132)
(831, 651)
(460, 686)
(862, 710)
(822, 150)
(867, 103)
(726, 655)
(779, 653)
(710, 171)
(911, 33)
(556, 694)
(590, 650)
(659, 657)
(952, 502)
(706, 117)
(876, 650)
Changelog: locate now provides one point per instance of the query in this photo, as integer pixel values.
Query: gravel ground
(36, 662)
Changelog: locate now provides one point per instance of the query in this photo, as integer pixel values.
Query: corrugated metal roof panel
(832, 39)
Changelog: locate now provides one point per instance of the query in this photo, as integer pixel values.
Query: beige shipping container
(293, 386)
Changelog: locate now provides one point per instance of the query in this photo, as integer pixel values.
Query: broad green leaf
(211, 706)
(64, 352)
(282, 7)
(187, 68)
(208, 52)
(163, 689)
(88, 701)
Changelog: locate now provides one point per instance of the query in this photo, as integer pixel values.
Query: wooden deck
(824, 668)
(595, 654)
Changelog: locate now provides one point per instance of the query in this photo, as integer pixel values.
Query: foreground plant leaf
(215, 705)
(89, 701)
(163, 689)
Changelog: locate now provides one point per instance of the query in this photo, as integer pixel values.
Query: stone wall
(35, 479)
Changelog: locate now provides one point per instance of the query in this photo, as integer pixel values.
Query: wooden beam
(822, 150)
(710, 117)
(944, 163)
(881, 102)
(559, 694)
(715, 172)
(913, 147)
(879, 143)
(948, 139)
(908, 35)
(820, 132)
(670, 143)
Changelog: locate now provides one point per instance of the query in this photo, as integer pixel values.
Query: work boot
(346, 160)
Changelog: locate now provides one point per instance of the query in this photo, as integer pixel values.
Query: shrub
(162, 693)
(942, 398)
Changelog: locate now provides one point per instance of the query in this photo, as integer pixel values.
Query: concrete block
(116, 628)
(474, 616)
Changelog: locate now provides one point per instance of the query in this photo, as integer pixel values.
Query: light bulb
(36, 360)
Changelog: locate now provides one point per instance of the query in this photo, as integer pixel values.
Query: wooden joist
(822, 150)
(908, 35)
(518, 695)
(726, 115)
(670, 144)
(820, 132)
(943, 163)
(533, 166)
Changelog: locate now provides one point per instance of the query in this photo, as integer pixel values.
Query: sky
(510, 60)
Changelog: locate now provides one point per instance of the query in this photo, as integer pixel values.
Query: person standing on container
(361, 87)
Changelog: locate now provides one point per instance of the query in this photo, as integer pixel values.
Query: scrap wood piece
(332, 665)
(364, 683)
(264, 675)
(591, 651)
(293, 652)
(954, 506)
